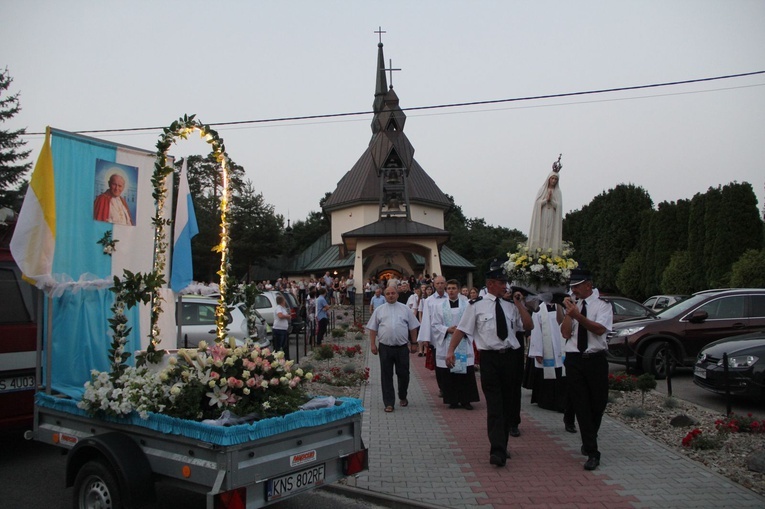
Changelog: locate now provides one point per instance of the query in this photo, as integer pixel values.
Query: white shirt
(392, 323)
(413, 303)
(598, 311)
(281, 323)
(479, 322)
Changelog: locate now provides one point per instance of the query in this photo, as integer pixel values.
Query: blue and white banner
(185, 229)
(102, 190)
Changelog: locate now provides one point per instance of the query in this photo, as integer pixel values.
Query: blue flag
(185, 229)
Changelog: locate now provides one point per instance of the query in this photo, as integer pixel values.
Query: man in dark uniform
(584, 327)
(492, 322)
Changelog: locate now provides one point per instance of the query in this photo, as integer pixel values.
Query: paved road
(32, 476)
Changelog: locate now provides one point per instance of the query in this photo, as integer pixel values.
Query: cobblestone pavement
(431, 455)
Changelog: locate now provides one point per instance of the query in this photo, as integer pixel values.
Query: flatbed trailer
(117, 465)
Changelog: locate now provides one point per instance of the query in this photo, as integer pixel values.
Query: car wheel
(658, 359)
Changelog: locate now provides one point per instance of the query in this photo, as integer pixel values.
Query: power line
(439, 106)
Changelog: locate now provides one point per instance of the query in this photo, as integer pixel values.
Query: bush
(697, 440)
(323, 352)
(634, 411)
(338, 333)
(621, 381)
(739, 423)
(747, 271)
(671, 402)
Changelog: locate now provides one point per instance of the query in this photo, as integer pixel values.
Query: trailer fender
(124, 457)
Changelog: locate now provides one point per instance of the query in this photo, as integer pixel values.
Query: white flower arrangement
(540, 268)
(201, 384)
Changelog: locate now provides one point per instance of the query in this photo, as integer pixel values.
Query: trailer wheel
(96, 487)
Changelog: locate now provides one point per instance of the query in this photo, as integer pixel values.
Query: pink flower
(234, 383)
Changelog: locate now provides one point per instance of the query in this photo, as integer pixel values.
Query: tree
(256, 231)
(12, 170)
(607, 230)
(678, 277)
(308, 231)
(628, 278)
(749, 270)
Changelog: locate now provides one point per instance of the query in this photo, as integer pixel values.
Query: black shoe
(454, 405)
(514, 431)
(467, 406)
(495, 459)
(592, 463)
(570, 428)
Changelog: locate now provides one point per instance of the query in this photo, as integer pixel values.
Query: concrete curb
(380, 499)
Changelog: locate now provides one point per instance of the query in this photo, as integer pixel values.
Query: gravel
(729, 460)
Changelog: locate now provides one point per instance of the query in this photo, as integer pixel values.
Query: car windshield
(683, 306)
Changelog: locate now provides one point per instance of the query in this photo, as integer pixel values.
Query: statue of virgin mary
(546, 231)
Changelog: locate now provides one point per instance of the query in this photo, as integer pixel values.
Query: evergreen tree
(628, 279)
(696, 240)
(12, 169)
(608, 230)
(678, 276)
(256, 231)
(749, 270)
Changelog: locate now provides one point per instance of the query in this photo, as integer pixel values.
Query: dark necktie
(581, 332)
(501, 321)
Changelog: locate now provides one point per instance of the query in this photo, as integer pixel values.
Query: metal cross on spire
(379, 32)
(391, 69)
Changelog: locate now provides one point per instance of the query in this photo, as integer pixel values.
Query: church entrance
(387, 274)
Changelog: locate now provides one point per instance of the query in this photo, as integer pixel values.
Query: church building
(387, 213)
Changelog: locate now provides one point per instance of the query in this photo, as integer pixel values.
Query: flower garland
(540, 268)
(181, 128)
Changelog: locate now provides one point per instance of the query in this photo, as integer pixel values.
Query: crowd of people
(553, 346)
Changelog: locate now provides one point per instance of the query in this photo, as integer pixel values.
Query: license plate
(296, 481)
(700, 372)
(17, 383)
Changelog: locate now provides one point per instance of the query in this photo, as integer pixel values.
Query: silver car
(198, 322)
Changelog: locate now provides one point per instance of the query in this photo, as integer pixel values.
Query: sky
(84, 66)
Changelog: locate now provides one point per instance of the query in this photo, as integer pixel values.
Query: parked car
(746, 366)
(627, 309)
(265, 303)
(199, 322)
(659, 302)
(685, 328)
(18, 345)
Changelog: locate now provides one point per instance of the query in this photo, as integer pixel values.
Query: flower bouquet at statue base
(541, 271)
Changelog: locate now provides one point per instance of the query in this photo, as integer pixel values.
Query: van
(18, 345)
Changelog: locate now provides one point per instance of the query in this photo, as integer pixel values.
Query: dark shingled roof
(397, 227)
(362, 183)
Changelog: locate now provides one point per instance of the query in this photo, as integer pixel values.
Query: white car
(198, 323)
(660, 302)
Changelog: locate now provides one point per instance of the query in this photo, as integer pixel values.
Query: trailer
(113, 464)
(96, 292)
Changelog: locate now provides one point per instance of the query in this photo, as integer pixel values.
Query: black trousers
(588, 389)
(322, 330)
(501, 377)
(394, 357)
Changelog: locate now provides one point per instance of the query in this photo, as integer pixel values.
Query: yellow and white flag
(34, 239)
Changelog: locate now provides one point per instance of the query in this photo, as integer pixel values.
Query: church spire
(381, 87)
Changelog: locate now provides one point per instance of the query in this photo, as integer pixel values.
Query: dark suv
(685, 328)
